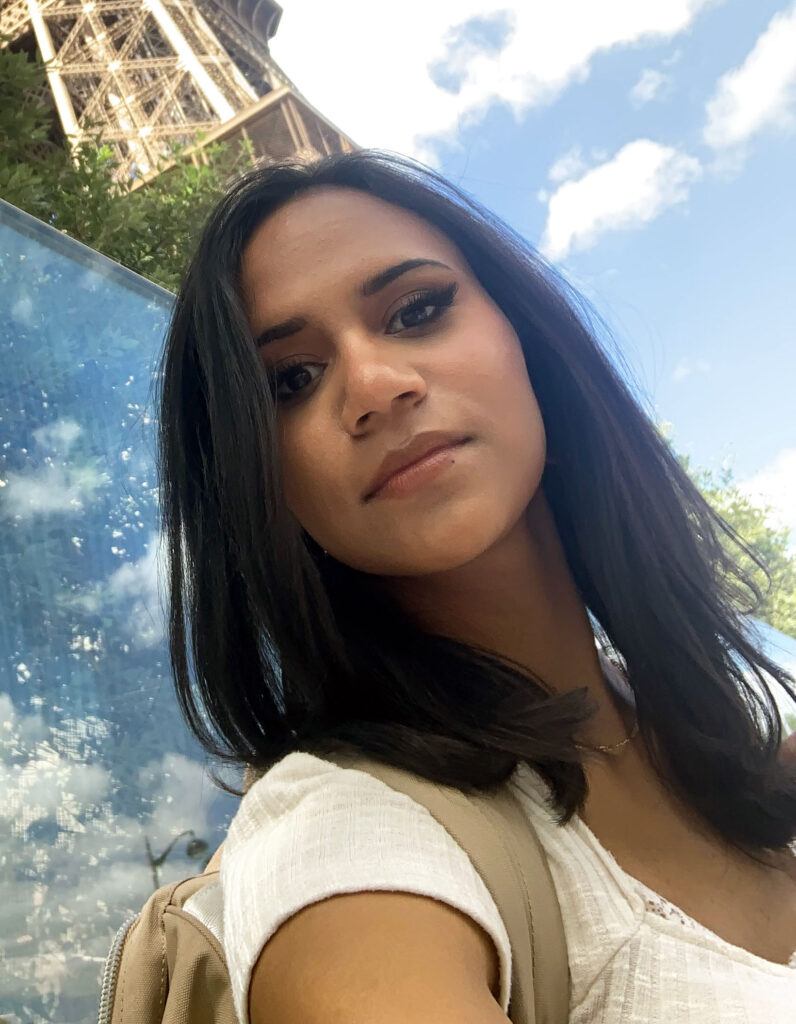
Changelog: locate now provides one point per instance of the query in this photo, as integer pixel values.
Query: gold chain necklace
(611, 748)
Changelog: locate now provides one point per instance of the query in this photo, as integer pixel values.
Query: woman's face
(374, 363)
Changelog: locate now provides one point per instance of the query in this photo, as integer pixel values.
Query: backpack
(166, 965)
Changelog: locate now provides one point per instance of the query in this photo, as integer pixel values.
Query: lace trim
(660, 906)
(663, 908)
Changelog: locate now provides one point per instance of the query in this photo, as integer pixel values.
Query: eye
(424, 307)
(293, 377)
(290, 379)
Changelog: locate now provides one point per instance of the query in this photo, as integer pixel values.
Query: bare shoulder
(377, 958)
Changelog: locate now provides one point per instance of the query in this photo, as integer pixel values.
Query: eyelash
(440, 298)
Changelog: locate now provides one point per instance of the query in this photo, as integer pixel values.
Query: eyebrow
(370, 287)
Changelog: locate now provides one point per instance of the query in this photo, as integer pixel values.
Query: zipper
(110, 974)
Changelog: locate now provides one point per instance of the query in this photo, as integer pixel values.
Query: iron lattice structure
(152, 73)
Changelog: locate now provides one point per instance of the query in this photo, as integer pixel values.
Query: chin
(415, 557)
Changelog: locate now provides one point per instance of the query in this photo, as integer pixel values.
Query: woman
(338, 322)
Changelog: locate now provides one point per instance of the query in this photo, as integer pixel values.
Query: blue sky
(648, 147)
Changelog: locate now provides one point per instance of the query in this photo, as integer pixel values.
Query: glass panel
(97, 771)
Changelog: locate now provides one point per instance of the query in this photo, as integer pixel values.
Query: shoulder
(309, 830)
(295, 784)
(305, 795)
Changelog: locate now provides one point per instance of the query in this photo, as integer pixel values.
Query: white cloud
(166, 782)
(139, 583)
(775, 485)
(59, 822)
(52, 487)
(59, 435)
(653, 85)
(635, 187)
(688, 367)
(759, 94)
(390, 81)
(135, 587)
(24, 308)
(51, 782)
(139, 579)
(569, 165)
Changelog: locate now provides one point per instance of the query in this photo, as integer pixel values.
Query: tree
(771, 543)
(152, 230)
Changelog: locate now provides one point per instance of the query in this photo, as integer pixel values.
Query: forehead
(333, 237)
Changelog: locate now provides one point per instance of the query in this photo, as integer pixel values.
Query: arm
(377, 958)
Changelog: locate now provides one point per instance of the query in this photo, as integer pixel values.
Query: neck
(519, 600)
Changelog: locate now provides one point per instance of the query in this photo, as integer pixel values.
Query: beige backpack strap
(199, 988)
(503, 847)
(141, 986)
(542, 978)
(172, 968)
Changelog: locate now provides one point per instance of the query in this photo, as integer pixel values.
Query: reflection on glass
(98, 775)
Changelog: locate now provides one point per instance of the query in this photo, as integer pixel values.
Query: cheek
(510, 406)
(499, 380)
(298, 471)
(310, 483)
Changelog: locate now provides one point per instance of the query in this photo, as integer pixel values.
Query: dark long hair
(275, 648)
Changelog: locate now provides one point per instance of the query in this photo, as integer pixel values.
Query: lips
(417, 448)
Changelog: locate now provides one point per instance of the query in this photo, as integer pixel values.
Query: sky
(646, 147)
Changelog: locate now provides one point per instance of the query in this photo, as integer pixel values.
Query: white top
(308, 830)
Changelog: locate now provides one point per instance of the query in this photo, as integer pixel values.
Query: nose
(378, 379)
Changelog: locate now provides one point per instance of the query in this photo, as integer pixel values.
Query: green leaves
(152, 229)
(755, 524)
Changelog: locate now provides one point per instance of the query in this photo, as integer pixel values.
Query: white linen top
(309, 829)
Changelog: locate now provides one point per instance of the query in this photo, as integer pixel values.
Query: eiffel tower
(152, 73)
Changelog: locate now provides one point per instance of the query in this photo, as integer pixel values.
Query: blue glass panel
(95, 761)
